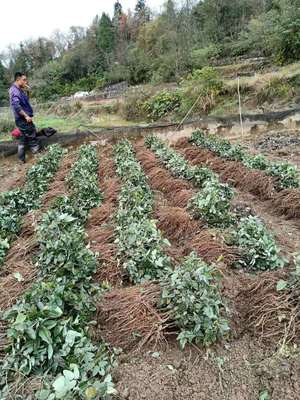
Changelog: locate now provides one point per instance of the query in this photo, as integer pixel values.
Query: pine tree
(140, 6)
(142, 12)
(106, 39)
(118, 11)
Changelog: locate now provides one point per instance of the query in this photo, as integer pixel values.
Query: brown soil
(286, 231)
(247, 180)
(12, 174)
(100, 230)
(129, 317)
(242, 368)
(237, 370)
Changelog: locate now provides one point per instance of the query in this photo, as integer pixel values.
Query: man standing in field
(23, 114)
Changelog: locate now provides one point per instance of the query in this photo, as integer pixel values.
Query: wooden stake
(240, 105)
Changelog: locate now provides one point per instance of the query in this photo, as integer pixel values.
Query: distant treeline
(140, 46)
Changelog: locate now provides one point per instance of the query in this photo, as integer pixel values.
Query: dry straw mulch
(129, 316)
(269, 313)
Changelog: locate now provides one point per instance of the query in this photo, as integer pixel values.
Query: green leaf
(75, 369)
(44, 334)
(18, 276)
(43, 394)
(50, 351)
(281, 285)
(59, 384)
(20, 318)
(68, 374)
(71, 336)
(264, 395)
(156, 354)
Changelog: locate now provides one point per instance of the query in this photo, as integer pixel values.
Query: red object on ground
(16, 133)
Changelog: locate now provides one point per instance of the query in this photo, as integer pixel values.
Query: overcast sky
(23, 19)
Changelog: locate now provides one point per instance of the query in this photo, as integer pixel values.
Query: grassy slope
(90, 116)
(107, 113)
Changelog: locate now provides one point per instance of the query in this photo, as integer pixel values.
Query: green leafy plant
(83, 179)
(177, 164)
(191, 295)
(62, 248)
(141, 245)
(212, 204)
(139, 241)
(202, 87)
(286, 175)
(256, 162)
(260, 250)
(16, 203)
(48, 328)
(161, 104)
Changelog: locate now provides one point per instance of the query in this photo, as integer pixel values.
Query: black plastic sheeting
(8, 148)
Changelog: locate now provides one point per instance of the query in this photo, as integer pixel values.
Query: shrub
(132, 107)
(202, 57)
(161, 104)
(191, 295)
(118, 73)
(204, 85)
(139, 241)
(212, 203)
(260, 250)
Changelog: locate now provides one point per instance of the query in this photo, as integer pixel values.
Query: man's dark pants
(28, 138)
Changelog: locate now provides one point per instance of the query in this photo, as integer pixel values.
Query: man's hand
(26, 117)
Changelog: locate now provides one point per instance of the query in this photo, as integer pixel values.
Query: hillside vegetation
(142, 47)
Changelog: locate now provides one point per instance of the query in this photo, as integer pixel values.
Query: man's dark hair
(19, 75)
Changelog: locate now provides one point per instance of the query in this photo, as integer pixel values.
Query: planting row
(16, 203)
(213, 205)
(49, 327)
(286, 175)
(190, 293)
